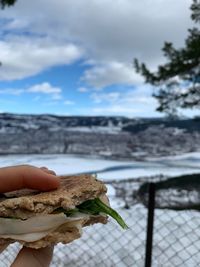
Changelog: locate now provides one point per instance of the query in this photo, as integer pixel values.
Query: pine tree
(4, 3)
(178, 80)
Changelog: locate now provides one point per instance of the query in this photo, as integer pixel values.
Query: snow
(109, 169)
(185, 156)
(96, 129)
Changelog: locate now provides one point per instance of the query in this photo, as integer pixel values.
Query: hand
(25, 176)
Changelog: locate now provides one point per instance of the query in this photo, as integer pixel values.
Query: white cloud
(107, 36)
(24, 56)
(82, 90)
(135, 102)
(56, 96)
(107, 32)
(105, 97)
(16, 24)
(69, 102)
(111, 73)
(116, 110)
(11, 91)
(44, 88)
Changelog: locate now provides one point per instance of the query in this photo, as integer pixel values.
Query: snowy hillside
(110, 137)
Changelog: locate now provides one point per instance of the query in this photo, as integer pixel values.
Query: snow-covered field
(176, 233)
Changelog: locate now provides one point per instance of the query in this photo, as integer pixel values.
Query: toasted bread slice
(73, 190)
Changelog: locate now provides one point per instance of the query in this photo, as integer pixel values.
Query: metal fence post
(150, 221)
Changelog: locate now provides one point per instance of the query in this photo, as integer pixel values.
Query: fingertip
(45, 169)
(56, 181)
(53, 182)
(36, 178)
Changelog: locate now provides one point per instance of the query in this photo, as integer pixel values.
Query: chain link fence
(176, 239)
(176, 228)
(176, 233)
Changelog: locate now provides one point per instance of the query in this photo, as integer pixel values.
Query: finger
(34, 257)
(45, 169)
(25, 176)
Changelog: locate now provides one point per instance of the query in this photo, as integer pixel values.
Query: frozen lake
(109, 169)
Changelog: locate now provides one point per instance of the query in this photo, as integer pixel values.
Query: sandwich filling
(39, 226)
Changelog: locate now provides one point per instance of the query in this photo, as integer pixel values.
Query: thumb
(34, 257)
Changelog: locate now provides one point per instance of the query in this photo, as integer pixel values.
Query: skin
(26, 176)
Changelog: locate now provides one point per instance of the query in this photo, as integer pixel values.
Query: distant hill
(189, 125)
(113, 137)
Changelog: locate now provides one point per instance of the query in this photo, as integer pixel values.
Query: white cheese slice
(37, 227)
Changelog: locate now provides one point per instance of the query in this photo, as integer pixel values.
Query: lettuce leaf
(95, 207)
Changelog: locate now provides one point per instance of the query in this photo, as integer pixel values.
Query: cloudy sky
(75, 57)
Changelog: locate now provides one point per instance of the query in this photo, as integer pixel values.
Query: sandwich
(39, 219)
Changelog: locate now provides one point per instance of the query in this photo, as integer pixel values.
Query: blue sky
(75, 57)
